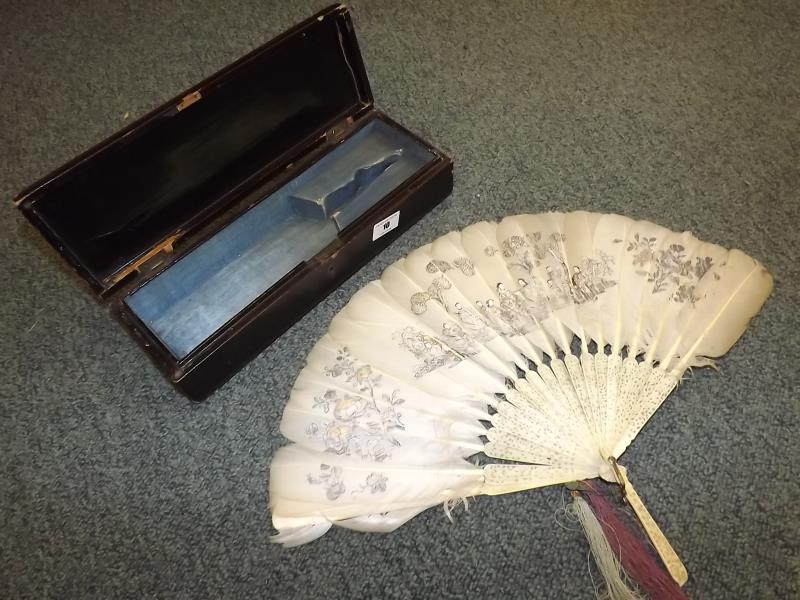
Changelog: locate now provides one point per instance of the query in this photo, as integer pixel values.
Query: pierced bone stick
(665, 550)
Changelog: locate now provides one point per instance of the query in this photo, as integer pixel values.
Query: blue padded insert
(192, 299)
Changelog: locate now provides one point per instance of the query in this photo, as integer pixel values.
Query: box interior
(187, 303)
(184, 163)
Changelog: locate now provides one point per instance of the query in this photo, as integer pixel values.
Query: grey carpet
(111, 485)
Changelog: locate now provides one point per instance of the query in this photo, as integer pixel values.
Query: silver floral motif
(669, 268)
(419, 300)
(438, 266)
(330, 477)
(363, 421)
(376, 483)
(511, 245)
(360, 375)
(325, 400)
(537, 245)
(464, 265)
(337, 437)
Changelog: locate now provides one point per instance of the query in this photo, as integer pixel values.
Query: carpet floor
(684, 113)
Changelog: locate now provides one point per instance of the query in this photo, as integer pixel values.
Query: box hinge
(153, 259)
(338, 131)
(188, 100)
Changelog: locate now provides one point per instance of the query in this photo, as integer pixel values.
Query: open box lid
(114, 208)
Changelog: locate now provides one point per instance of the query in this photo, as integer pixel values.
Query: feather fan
(545, 341)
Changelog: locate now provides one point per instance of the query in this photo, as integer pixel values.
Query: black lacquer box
(215, 222)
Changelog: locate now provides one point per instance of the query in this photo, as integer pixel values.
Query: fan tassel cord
(616, 580)
(640, 565)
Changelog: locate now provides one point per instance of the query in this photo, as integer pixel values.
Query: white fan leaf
(546, 341)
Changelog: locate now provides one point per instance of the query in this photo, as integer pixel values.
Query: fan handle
(665, 550)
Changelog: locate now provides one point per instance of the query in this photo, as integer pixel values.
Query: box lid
(114, 208)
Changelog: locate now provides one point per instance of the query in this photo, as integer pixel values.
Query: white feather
(516, 341)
